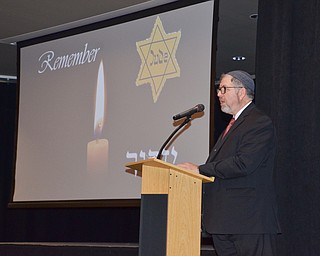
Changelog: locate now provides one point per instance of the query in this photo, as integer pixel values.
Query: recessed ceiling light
(238, 58)
(253, 16)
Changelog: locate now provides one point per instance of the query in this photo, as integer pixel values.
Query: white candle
(98, 149)
(97, 155)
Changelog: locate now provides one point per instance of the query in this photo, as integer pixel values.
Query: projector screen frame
(91, 27)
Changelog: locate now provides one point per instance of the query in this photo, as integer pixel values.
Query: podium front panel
(155, 180)
(184, 215)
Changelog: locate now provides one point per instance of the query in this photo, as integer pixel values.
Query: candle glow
(98, 149)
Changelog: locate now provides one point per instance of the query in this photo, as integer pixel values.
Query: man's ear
(242, 93)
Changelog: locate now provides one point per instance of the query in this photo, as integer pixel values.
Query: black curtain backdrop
(288, 89)
(7, 131)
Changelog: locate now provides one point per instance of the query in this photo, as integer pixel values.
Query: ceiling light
(253, 16)
(238, 58)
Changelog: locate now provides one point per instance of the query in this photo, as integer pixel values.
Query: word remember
(48, 61)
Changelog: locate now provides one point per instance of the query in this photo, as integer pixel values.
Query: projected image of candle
(98, 149)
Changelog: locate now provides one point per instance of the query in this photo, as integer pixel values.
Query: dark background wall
(288, 89)
(8, 60)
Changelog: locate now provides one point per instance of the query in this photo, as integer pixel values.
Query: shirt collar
(241, 110)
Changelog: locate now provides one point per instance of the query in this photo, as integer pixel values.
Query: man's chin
(225, 110)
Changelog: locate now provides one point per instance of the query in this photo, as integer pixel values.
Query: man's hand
(189, 166)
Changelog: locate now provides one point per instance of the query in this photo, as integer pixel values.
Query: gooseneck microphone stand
(186, 120)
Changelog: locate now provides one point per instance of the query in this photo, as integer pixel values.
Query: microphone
(189, 112)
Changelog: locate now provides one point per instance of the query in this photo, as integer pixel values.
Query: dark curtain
(288, 89)
(7, 131)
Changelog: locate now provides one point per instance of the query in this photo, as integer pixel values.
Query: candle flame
(99, 108)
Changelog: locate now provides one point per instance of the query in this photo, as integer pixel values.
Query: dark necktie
(228, 127)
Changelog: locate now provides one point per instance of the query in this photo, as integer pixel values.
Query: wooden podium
(170, 215)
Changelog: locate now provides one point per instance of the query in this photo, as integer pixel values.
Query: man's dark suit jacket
(242, 198)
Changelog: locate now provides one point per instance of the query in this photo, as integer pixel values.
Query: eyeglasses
(223, 89)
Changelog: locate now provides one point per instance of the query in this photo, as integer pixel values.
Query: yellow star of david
(158, 62)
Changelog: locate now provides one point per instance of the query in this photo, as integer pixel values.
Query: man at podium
(239, 207)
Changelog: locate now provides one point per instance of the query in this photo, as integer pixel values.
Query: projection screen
(91, 102)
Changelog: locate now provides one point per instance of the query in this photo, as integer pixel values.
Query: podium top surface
(159, 163)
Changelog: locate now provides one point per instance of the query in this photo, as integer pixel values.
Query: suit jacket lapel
(221, 141)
